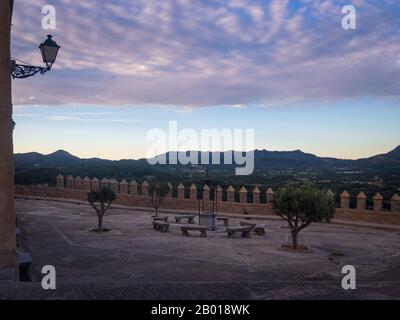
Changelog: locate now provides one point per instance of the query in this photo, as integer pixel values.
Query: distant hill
(59, 158)
(392, 157)
(264, 159)
(272, 168)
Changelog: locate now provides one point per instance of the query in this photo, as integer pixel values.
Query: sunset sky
(286, 69)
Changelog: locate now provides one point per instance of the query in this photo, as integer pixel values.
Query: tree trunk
(294, 238)
(156, 211)
(100, 229)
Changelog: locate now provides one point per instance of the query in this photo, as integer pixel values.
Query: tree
(158, 192)
(104, 198)
(302, 205)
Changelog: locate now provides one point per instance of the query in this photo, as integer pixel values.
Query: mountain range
(264, 159)
(271, 168)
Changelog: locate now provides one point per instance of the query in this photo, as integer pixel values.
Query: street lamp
(49, 49)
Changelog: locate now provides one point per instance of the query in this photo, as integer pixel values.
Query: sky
(285, 68)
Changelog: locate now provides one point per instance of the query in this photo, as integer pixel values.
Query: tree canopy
(302, 205)
(158, 191)
(104, 198)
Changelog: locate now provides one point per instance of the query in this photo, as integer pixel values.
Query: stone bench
(161, 226)
(244, 230)
(225, 220)
(165, 219)
(190, 218)
(248, 224)
(186, 229)
(259, 229)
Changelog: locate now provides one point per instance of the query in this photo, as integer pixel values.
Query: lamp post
(49, 49)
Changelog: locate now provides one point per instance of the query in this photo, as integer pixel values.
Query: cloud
(94, 117)
(204, 53)
(63, 118)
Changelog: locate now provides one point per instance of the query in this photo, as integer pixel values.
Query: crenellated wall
(140, 200)
(361, 201)
(137, 195)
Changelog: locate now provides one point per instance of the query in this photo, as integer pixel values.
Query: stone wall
(383, 217)
(139, 200)
(137, 195)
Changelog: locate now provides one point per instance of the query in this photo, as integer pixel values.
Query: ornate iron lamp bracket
(21, 71)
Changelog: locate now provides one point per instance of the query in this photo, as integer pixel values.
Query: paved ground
(135, 262)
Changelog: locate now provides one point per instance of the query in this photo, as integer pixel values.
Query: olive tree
(101, 201)
(158, 191)
(302, 205)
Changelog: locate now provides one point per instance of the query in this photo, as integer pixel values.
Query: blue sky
(348, 129)
(283, 68)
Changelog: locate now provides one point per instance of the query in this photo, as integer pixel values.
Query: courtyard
(133, 261)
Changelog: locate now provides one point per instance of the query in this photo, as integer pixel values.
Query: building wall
(8, 252)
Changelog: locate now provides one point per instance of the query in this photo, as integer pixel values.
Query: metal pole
(216, 203)
(214, 206)
(199, 209)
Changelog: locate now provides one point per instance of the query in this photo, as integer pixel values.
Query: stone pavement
(135, 262)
